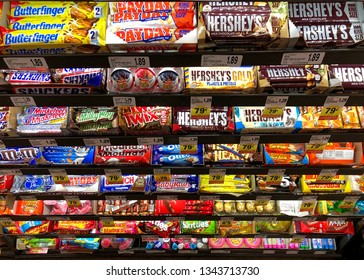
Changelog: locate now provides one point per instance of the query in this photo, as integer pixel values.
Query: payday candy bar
(171, 149)
(56, 9)
(326, 11)
(148, 7)
(347, 76)
(131, 183)
(177, 160)
(17, 78)
(145, 120)
(26, 155)
(178, 184)
(283, 159)
(220, 121)
(123, 155)
(289, 74)
(330, 34)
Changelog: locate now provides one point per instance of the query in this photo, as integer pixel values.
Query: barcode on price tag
(274, 106)
(221, 60)
(25, 62)
(43, 142)
(59, 176)
(113, 176)
(248, 144)
(97, 141)
(332, 107)
(28, 197)
(124, 101)
(19, 101)
(326, 175)
(201, 107)
(217, 176)
(129, 61)
(188, 145)
(317, 143)
(302, 58)
(150, 141)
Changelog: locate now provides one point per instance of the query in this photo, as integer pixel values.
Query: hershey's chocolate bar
(291, 74)
(351, 76)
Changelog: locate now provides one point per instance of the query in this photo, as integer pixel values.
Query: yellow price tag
(188, 149)
(325, 178)
(330, 113)
(61, 179)
(315, 148)
(274, 179)
(297, 239)
(107, 222)
(200, 112)
(247, 148)
(114, 179)
(162, 177)
(273, 112)
(308, 204)
(216, 179)
(73, 201)
(349, 202)
(7, 223)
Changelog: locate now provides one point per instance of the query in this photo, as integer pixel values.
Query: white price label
(150, 141)
(265, 219)
(269, 252)
(19, 101)
(221, 60)
(339, 101)
(319, 139)
(115, 197)
(97, 141)
(129, 61)
(188, 141)
(167, 197)
(121, 252)
(67, 236)
(302, 58)
(292, 252)
(10, 172)
(187, 252)
(28, 197)
(2, 145)
(276, 101)
(176, 218)
(248, 144)
(25, 62)
(320, 252)
(183, 236)
(57, 172)
(197, 101)
(124, 101)
(43, 142)
(209, 197)
(58, 218)
(227, 219)
(220, 251)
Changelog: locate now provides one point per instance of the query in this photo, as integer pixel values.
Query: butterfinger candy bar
(148, 7)
(123, 155)
(289, 74)
(326, 11)
(56, 9)
(347, 77)
(20, 77)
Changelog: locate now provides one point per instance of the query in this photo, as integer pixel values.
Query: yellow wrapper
(232, 184)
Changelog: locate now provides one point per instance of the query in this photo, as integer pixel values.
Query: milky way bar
(330, 34)
(349, 76)
(326, 11)
(225, 6)
(289, 74)
(147, 7)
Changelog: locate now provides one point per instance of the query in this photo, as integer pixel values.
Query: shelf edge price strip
(349, 202)
(59, 176)
(274, 106)
(19, 101)
(129, 61)
(113, 176)
(317, 143)
(107, 221)
(332, 107)
(200, 107)
(162, 175)
(248, 144)
(275, 176)
(209, 60)
(97, 141)
(188, 145)
(217, 176)
(302, 58)
(326, 176)
(150, 140)
(73, 201)
(25, 62)
(43, 142)
(124, 101)
(308, 204)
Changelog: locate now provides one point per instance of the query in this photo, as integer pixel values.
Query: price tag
(28, 197)
(73, 201)
(332, 107)
(151, 141)
(190, 252)
(107, 221)
(129, 61)
(58, 218)
(320, 252)
(19, 101)
(115, 197)
(227, 219)
(11, 172)
(292, 252)
(176, 218)
(2, 198)
(188, 145)
(308, 203)
(97, 141)
(183, 236)
(297, 239)
(317, 143)
(221, 60)
(25, 62)
(275, 176)
(43, 142)
(262, 200)
(326, 175)
(167, 197)
(269, 252)
(59, 176)
(2, 145)
(274, 106)
(265, 219)
(6, 222)
(307, 219)
(349, 202)
(217, 176)
(37, 251)
(121, 252)
(201, 107)
(248, 144)
(220, 251)
(209, 197)
(67, 236)
(302, 58)
(162, 175)
(124, 101)
(113, 176)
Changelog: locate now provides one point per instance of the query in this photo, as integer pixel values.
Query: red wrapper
(6, 182)
(187, 207)
(138, 155)
(161, 228)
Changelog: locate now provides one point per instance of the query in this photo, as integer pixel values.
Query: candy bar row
(91, 27)
(257, 79)
(166, 228)
(159, 120)
(42, 245)
(143, 208)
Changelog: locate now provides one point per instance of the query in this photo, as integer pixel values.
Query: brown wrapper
(348, 78)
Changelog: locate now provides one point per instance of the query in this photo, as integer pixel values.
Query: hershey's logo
(287, 72)
(324, 32)
(255, 115)
(349, 74)
(216, 119)
(233, 23)
(311, 10)
(220, 75)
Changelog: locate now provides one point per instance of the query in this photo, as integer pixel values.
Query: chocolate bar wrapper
(89, 77)
(125, 207)
(5, 125)
(293, 78)
(172, 149)
(220, 121)
(350, 117)
(285, 148)
(229, 155)
(273, 227)
(339, 184)
(178, 159)
(324, 11)
(232, 184)
(346, 78)
(272, 158)
(58, 9)
(153, 120)
(145, 80)
(360, 110)
(288, 184)
(88, 120)
(25, 78)
(326, 35)
(231, 228)
(220, 79)
(310, 120)
(178, 184)
(32, 184)
(250, 120)
(131, 183)
(19, 155)
(138, 155)
(148, 7)
(66, 155)
(241, 6)
(6, 183)
(198, 227)
(183, 207)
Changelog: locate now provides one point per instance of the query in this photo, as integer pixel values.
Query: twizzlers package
(145, 120)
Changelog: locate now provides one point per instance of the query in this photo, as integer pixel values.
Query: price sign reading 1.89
(201, 107)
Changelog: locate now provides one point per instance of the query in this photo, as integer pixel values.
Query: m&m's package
(19, 155)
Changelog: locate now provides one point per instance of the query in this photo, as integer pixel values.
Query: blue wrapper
(314, 244)
(132, 183)
(68, 155)
(25, 226)
(178, 160)
(172, 149)
(32, 183)
(331, 244)
(80, 243)
(359, 207)
(68, 150)
(84, 79)
(178, 184)
(22, 155)
(325, 243)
